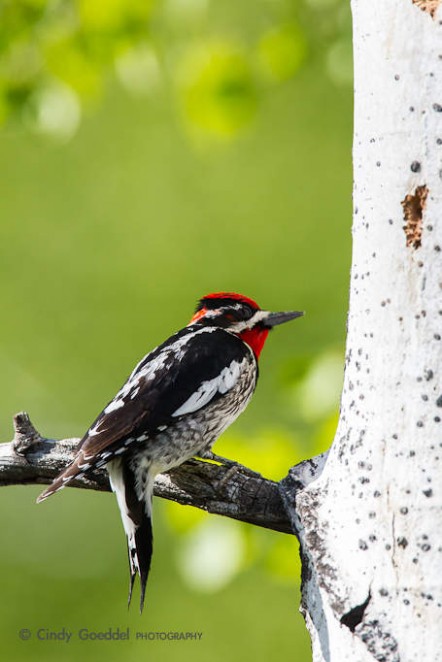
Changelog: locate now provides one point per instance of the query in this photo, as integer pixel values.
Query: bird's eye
(245, 312)
(239, 314)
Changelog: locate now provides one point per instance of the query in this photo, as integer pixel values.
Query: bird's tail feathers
(134, 498)
(74, 470)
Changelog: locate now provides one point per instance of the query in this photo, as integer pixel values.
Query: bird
(174, 405)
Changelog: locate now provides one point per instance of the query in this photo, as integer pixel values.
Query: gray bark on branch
(232, 491)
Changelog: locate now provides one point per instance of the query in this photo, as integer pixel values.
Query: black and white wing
(183, 375)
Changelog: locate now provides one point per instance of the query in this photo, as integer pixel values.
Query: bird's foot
(231, 465)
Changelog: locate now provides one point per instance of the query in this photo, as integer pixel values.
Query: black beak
(273, 319)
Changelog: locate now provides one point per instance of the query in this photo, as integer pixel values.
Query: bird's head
(239, 315)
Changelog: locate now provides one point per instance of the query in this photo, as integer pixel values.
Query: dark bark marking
(355, 616)
(413, 206)
(429, 6)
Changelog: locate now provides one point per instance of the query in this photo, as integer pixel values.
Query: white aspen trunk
(371, 523)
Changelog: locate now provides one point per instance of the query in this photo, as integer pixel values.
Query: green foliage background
(152, 152)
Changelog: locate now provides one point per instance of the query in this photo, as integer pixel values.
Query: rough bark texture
(371, 524)
(235, 491)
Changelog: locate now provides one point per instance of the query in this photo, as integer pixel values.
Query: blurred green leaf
(218, 91)
(340, 61)
(271, 451)
(113, 15)
(283, 560)
(183, 519)
(325, 433)
(282, 51)
(317, 395)
(54, 110)
(139, 69)
(212, 554)
(68, 62)
(219, 70)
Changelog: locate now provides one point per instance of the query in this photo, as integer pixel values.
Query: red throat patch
(255, 338)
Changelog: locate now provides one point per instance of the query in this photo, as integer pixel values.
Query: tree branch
(236, 492)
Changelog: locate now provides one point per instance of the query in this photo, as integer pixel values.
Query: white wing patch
(115, 404)
(225, 381)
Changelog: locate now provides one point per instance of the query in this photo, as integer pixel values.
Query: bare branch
(234, 491)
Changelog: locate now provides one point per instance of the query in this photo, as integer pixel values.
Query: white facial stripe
(239, 327)
(225, 381)
(212, 313)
